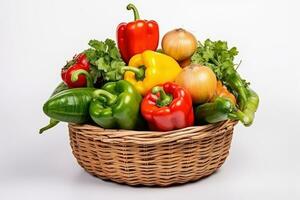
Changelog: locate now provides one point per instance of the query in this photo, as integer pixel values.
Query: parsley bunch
(105, 60)
(215, 55)
(220, 58)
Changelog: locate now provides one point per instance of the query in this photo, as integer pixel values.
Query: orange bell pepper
(222, 91)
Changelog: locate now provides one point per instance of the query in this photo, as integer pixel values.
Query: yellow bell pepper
(149, 69)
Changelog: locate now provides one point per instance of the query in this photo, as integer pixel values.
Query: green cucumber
(61, 87)
(70, 105)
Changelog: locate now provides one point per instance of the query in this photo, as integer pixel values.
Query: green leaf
(114, 53)
(91, 55)
(217, 56)
(208, 55)
(102, 65)
(98, 45)
(117, 64)
(106, 60)
(233, 51)
(110, 43)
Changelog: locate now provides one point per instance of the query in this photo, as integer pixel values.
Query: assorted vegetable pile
(135, 86)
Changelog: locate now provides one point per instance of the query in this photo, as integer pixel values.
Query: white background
(37, 37)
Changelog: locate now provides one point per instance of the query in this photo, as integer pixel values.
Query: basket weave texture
(151, 158)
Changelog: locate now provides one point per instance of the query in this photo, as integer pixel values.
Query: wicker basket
(151, 158)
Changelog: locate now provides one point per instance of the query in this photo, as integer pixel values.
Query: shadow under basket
(151, 158)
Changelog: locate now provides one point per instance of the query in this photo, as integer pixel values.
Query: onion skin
(200, 81)
(185, 62)
(179, 44)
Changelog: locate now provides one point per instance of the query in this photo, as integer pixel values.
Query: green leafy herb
(105, 60)
(219, 58)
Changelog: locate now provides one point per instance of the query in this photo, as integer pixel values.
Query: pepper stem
(164, 98)
(239, 115)
(135, 11)
(110, 98)
(51, 124)
(75, 76)
(139, 72)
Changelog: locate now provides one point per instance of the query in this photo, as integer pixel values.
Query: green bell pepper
(116, 105)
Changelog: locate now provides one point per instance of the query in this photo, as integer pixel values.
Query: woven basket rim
(151, 158)
(150, 137)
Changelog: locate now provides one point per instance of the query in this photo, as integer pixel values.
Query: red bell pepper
(137, 36)
(79, 62)
(168, 107)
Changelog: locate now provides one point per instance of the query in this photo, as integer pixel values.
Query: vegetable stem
(239, 115)
(238, 65)
(111, 98)
(139, 72)
(51, 124)
(75, 76)
(215, 61)
(135, 11)
(164, 98)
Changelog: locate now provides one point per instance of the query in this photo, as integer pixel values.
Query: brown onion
(200, 81)
(185, 62)
(179, 44)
